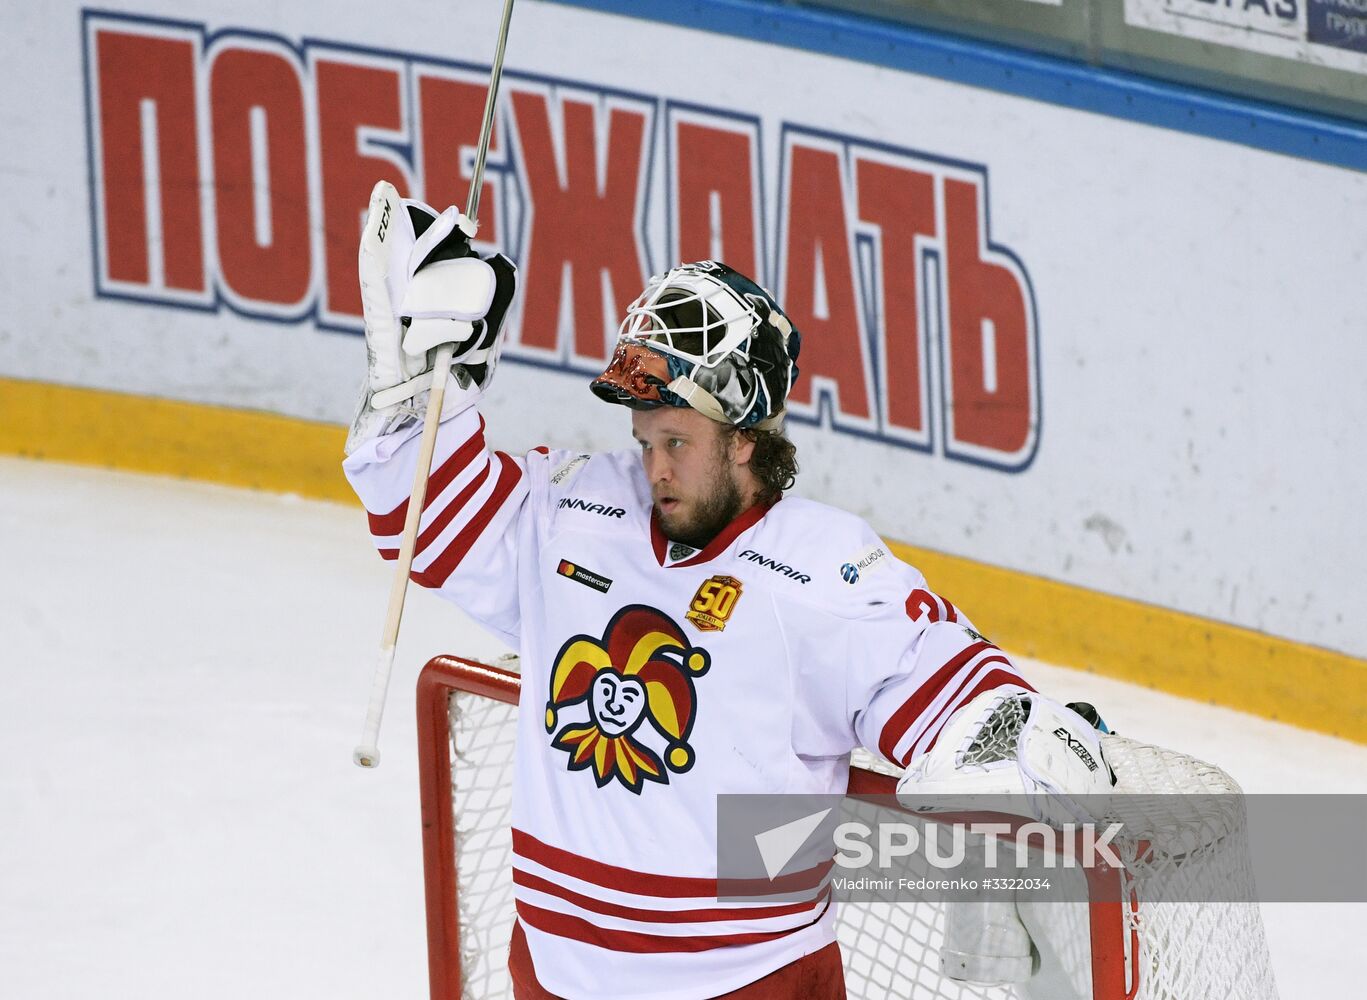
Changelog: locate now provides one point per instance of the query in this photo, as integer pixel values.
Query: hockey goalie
(686, 628)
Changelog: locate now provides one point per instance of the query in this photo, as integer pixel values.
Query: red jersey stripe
(530, 881)
(579, 929)
(951, 703)
(384, 525)
(447, 515)
(649, 884)
(912, 709)
(995, 679)
(445, 564)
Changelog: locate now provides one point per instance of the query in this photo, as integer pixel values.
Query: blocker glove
(422, 285)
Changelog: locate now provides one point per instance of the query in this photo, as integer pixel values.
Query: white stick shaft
(367, 753)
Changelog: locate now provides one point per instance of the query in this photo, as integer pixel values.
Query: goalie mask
(705, 336)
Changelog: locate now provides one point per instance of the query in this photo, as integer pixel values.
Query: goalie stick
(367, 752)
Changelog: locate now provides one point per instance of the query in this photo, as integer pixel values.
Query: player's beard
(719, 505)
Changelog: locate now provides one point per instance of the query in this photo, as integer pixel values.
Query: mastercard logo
(566, 568)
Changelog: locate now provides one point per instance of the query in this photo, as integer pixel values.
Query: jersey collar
(714, 548)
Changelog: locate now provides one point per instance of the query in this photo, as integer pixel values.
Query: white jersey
(656, 677)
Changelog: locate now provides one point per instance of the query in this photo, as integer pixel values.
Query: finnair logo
(572, 503)
(778, 567)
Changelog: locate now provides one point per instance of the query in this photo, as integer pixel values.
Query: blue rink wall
(1086, 344)
(1129, 96)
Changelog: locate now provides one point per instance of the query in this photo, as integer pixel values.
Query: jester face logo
(625, 703)
(617, 702)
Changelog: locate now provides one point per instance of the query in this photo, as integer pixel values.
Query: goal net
(1118, 945)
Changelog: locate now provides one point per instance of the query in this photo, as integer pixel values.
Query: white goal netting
(1135, 949)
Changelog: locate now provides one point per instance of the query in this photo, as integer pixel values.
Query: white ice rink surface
(183, 670)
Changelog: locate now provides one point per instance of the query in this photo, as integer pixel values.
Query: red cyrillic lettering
(588, 220)
(817, 251)
(452, 113)
(716, 186)
(349, 97)
(989, 335)
(133, 69)
(276, 268)
(900, 201)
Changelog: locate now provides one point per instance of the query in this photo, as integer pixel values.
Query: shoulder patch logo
(713, 603)
(568, 470)
(641, 670)
(872, 558)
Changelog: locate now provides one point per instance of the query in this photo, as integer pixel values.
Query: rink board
(1067, 344)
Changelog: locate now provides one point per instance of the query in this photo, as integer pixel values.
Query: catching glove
(1015, 743)
(422, 286)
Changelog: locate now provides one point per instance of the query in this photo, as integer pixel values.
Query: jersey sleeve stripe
(383, 525)
(921, 735)
(914, 707)
(931, 730)
(995, 679)
(447, 514)
(445, 564)
(578, 929)
(455, 507)
(930, 724)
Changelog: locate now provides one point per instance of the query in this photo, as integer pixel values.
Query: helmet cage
(722, 319)
(724, 341)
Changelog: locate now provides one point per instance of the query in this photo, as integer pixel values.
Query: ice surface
(183, 674)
